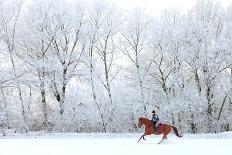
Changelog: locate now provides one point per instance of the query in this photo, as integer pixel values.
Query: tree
(67, 46)
(9, 26)
(133, 46)
(35, 47)
(102, 28)
(206, 60)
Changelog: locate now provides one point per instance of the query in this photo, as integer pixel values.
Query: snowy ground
(115, 144)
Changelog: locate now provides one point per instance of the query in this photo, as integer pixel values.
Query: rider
(154, 119)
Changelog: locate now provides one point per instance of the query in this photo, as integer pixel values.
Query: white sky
(157, 6)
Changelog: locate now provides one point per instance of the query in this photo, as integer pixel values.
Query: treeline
(87, 66)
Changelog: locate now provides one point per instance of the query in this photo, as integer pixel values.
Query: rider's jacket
(155, 118)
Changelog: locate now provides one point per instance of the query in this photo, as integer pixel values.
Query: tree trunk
(209, 109)
(107, 80)
(19, 93)
(141, 88)
(197, 79)
(93, 88)
(5, 108)
(193, 125)
(63, 92)
(43, 98)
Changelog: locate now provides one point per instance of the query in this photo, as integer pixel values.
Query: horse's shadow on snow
(156, 142)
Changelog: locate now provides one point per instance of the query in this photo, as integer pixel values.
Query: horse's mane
(144, 118)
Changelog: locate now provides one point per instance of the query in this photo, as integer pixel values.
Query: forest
(90, 66)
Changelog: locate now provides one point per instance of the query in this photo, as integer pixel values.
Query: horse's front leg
(141, 138)
(161, 141)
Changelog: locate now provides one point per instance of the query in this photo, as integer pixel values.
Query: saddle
(160, 128)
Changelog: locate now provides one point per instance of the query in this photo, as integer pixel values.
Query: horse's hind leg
(164, 137)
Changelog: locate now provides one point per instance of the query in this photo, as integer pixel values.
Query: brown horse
(149, 129)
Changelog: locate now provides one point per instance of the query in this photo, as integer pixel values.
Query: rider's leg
(154, 124)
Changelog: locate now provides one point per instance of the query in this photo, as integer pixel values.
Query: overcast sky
(158, 5)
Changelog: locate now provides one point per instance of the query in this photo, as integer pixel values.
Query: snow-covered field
(115, 144)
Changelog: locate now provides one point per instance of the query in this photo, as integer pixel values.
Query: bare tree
(68, 47)
(9, 25)
(93, 38)
(102, 30)
(35, 47)
(133, 46)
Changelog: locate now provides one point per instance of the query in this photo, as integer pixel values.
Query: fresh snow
(114, 144)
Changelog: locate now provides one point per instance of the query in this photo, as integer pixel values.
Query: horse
(149, 129)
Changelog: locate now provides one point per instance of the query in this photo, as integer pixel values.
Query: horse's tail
(176, 131)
